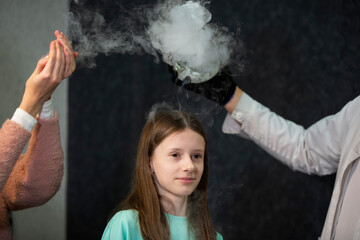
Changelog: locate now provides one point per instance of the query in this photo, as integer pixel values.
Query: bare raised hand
(48, 74)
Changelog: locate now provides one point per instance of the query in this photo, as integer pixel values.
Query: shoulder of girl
(218, 236)
(125, 217)
(121, 225)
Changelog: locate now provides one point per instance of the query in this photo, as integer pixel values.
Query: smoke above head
(180, 31)
(91, 35)
(158, 107)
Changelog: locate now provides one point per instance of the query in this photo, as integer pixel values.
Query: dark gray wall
(302, 62)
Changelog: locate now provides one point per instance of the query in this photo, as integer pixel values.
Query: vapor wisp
(179, 31)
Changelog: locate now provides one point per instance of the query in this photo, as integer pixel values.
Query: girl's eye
(197, 156)
(175, 155)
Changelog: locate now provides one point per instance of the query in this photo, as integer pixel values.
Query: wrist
(230, 106)
(32, 108)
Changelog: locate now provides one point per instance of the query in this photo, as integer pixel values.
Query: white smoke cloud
(180, 31)
(92, 35)
(185, 38)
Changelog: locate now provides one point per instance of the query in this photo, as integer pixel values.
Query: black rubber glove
(219, 89)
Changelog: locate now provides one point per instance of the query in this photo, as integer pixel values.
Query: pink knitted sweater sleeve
(37, 175)
(13, 139)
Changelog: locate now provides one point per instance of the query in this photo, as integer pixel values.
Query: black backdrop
(302, 62)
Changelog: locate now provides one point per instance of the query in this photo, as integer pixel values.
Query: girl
(168, 199)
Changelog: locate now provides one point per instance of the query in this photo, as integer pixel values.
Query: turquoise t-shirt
(125, 226)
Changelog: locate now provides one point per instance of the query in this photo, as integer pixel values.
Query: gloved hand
(219, 89)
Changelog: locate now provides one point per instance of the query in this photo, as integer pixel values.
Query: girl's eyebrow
(193, 150)
(175, 149)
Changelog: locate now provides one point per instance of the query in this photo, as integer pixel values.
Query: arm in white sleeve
(28, 122)
(24, 119)
(315, 150)
(47, 111)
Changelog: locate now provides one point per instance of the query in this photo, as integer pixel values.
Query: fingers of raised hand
(67, 62)
(59, 65)
(63, 39)
(41, 64)
(70, 56)
(54, 69)
(52, 60)
(67, 42)
(70, 62)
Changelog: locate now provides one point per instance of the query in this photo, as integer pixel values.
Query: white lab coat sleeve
(315, 150)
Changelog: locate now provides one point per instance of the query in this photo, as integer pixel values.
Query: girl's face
(178, 163)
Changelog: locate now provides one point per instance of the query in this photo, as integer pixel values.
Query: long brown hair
(144, 196)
